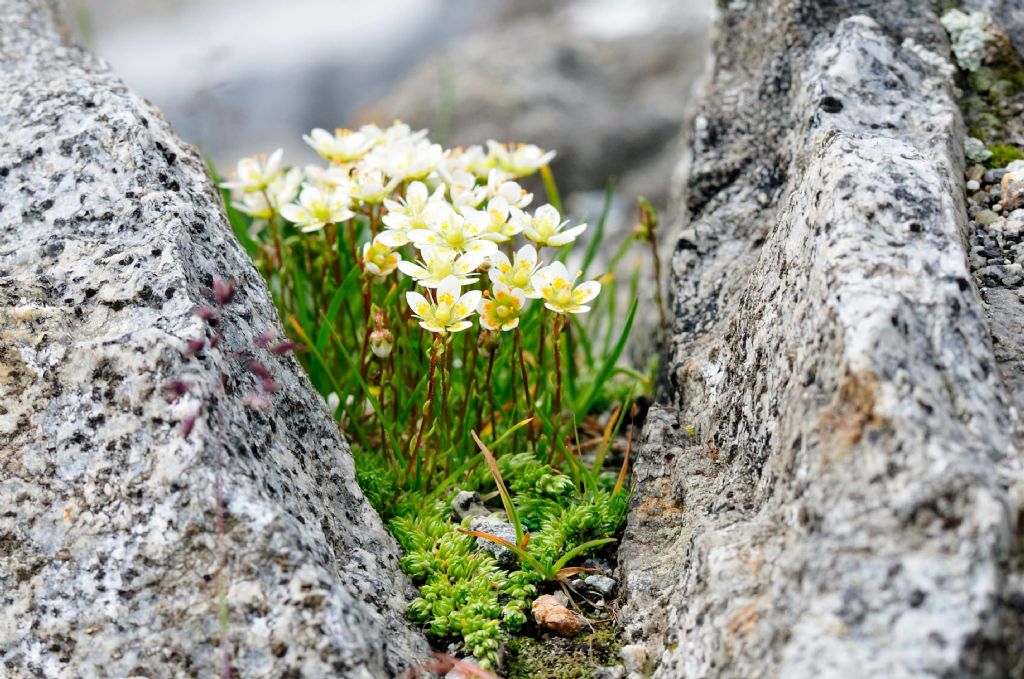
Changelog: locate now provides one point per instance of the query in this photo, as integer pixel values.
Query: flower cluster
(447, 218)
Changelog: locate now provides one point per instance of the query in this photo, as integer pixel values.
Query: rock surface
(110, 233)
(831, 485)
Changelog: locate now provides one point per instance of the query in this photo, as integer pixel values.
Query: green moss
(1003, 155)
(559, 658)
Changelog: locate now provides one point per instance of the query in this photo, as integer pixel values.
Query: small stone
(994, 176)
(975, 172)
(615, 672)
(973, 185)
(634, 657)
(1013, 190)
(600, 584)
(499, 529)
(468, 505)
(550, 614)
(986, 217)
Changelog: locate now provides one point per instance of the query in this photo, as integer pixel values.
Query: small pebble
(600, 584)
(973, 185)
(550, 614)
(975, 172)
(993, 176)
(986, 217)
(1013, 190)
(498, 528)
(616, 672)
(467, 505)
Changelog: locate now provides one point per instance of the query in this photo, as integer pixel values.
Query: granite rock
(831, 482)
(110, 235)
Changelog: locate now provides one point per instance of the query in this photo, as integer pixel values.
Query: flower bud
(380, 342)
(223, 290)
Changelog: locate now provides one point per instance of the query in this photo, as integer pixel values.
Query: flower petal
(585, 292)
(418, 303)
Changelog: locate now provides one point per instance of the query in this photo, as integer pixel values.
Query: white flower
(448, 230)
(379, 259)
(518, 273)
(473, 159)
(317, 209)
(344, 146)
(437, 265)
(545, 227)
(281, 191)
(502, 310)
(463, 190)
(407, 161)
(494, 222)
(253, 175)
(370, 186)
(498, 185)
(328, 178)
(407, 214)
(556, 287)
(397, 133)
(521, 160)
(449, 311)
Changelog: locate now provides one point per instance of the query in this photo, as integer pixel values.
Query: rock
(498, 528)
(552, 615)
(467, 505)
(1012, 188)
(973, 185)
(601, 585)
(994, 176)
(986, 217)
(848, 501)
(616, 672)
(975, 173)
(110, 234)
(634, 657)
(605, 86)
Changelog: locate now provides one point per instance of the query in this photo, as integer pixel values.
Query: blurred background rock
(605, 82)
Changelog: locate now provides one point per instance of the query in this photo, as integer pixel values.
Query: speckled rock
(110, 233)
(831, 484)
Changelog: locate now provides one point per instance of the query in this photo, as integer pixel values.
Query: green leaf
(598, 236)
(609, 362)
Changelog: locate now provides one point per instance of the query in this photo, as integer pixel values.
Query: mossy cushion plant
(441, 310)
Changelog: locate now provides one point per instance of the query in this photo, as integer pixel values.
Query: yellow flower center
(561, 294)
(443, 313)
(520, 278)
